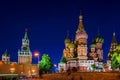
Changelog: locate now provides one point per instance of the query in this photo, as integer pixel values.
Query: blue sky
(49, 20)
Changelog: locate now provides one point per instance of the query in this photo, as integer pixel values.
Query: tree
(94, 67)
(45, 64)
(115, 58)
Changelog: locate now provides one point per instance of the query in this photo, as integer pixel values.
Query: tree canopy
(115, 58)
(45, 64)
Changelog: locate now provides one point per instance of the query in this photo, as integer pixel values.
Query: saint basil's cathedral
(76, 55)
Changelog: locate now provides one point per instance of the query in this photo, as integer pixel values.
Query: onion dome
(67, 40)
(92, 45)
(99, 39)
(81, 33)
(72, 45)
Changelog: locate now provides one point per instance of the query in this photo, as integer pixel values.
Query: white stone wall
(62, 67)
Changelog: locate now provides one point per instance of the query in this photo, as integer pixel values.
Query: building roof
(63, 60)
(99, 39)
(26, 35)
(67, 39)
(114, 40)
(72, 45)
(6, 53)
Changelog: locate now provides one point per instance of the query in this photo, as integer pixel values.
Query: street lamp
(55, 67)
(36, 54)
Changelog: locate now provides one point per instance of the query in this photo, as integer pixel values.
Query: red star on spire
(26, 29)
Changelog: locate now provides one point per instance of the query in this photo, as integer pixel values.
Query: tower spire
(67, 33)
(26, 35)
(114, 38)
(6, 53)
(81, 26)
(67, 39)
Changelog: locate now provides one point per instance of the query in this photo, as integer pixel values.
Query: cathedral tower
(25, 55)
(99, 42)
(113, 45)
(66, 51)
(81, 40)
(93, 54)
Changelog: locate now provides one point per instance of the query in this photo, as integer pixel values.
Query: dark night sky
(48, 21)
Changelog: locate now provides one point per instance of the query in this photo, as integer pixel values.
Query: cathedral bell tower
(25, 55)
(81, 40)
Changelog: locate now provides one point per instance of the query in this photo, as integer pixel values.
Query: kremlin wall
(24, 65)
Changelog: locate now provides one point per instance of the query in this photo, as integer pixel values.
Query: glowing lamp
(36, 54)
(54, 65)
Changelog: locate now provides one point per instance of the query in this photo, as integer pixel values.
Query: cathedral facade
(76, 55)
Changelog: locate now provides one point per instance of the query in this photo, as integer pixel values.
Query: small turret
(6, 57)
(113, 45)
(114, 38)
(99, 39)
(72, 45)
(92, 46)
(67, 41)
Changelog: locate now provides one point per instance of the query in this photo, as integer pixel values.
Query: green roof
(72, 45)
(63, 60)
(25, 36)
(6, 53)
(99, 39)
(92, 45)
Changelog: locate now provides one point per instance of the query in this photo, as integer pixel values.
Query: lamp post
(55, 67)
(36, 54)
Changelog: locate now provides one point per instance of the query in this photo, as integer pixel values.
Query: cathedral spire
(67, 39)
(81, 26)
(114, 38)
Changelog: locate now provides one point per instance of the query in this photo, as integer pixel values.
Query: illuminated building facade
(76, 52)
(113, 45)
(25, 55)
(24, 65)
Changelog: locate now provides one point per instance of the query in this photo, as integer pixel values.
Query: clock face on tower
(24, 48)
